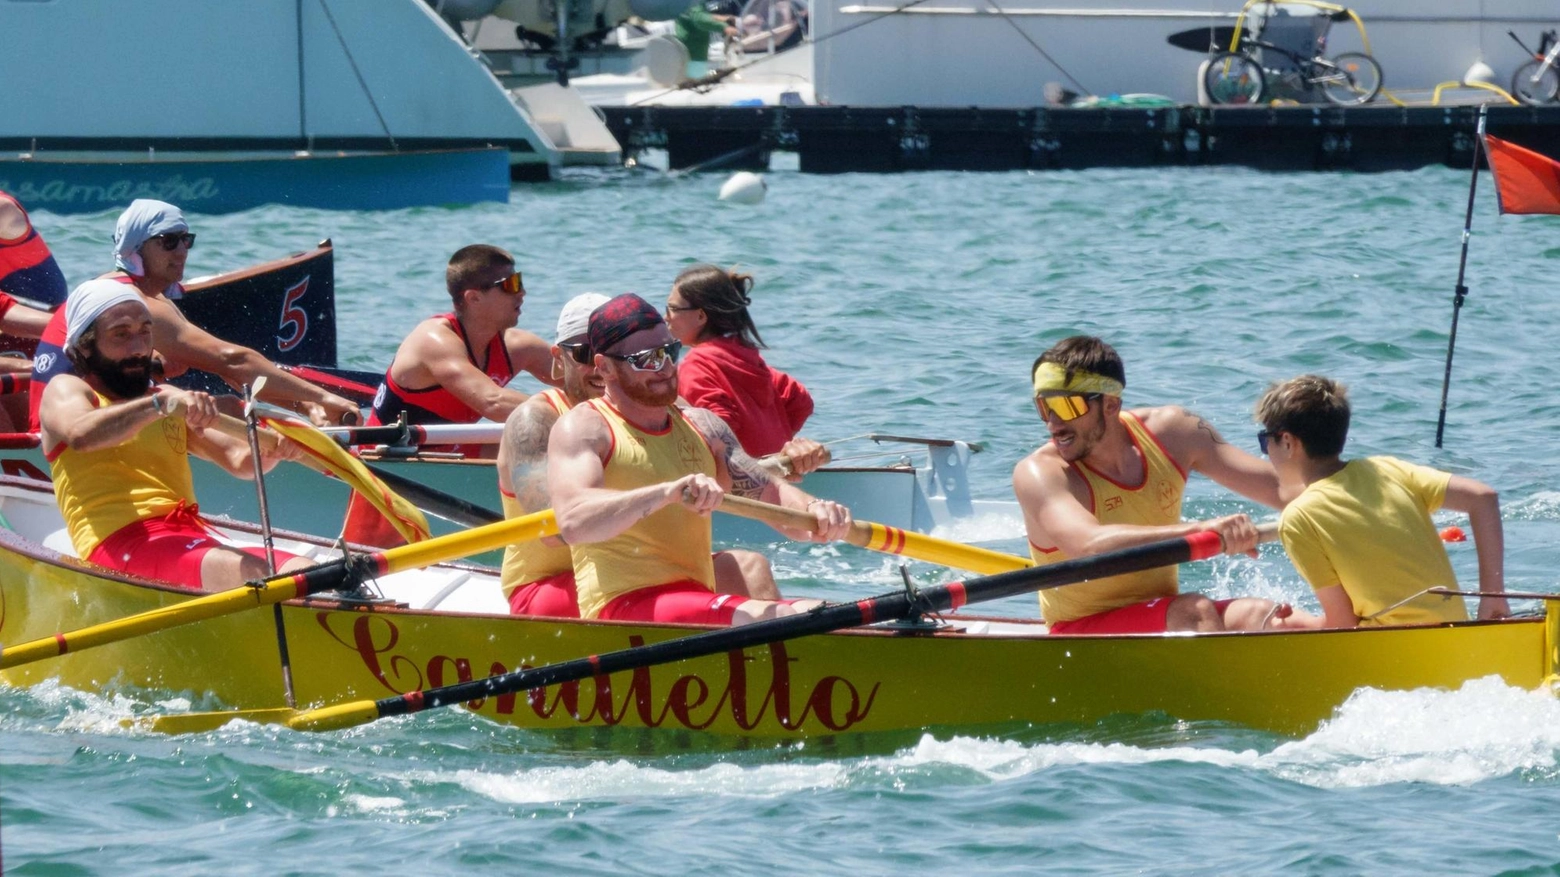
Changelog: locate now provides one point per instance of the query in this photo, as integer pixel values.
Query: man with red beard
(633, 480)
(538, 576)
(118, 449)
(1112, 479)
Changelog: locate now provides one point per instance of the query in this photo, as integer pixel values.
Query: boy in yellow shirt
(1360, 531)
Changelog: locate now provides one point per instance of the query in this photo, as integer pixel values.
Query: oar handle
(795, 519)
(781, 466)
(231, 426)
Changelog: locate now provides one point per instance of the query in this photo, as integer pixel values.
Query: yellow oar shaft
(880, 537)
(154, 620)
(469, 542)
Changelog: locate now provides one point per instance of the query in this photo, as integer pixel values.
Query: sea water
(914, 304)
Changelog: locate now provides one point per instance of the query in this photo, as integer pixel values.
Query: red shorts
(553, 596)
(685, 602)
(168, 548)
(1148, 617)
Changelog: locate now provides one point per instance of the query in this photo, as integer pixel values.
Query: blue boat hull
(376, 181)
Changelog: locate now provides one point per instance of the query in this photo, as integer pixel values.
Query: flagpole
(1462, 269)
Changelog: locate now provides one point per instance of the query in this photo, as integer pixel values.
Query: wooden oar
(880, 537)
(325, 577)
(828, 617)
(430, 499)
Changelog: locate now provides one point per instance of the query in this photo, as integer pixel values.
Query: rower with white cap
(118, 447)
(152, 240)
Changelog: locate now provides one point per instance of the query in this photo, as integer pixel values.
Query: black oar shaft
(829, 617)
(437, 502)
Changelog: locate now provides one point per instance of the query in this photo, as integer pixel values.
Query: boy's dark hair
(1311, 408)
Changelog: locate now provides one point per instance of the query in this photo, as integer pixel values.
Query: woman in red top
(723, 371)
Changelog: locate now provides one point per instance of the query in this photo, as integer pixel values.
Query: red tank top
(27, 268)
(436, 404)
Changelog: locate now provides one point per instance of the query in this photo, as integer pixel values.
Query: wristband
(157, 405)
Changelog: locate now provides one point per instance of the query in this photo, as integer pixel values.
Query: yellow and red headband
(1051, 379)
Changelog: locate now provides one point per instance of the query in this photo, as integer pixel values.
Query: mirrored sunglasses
(511, 284)
(1067, 408)
(173, 239)
(1263, 438)
(652, 360)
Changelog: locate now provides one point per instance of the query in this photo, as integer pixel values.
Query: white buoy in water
(744, 187)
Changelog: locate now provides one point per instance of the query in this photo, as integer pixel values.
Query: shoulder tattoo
(525, 444)
(1208, 428)
(748, 478)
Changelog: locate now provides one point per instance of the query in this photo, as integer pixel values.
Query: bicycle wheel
(1535, 83)
(1349, 78)
(1233, 78)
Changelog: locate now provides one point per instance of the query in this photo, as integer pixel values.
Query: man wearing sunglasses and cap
(151, 243)
(538, 575)
(456, 367)
(1112, 479)
(118, 448)
(634, 478)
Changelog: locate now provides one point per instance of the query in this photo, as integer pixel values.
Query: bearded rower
(633, 480)
(118, 448)
(538, 575)
(1111, 479)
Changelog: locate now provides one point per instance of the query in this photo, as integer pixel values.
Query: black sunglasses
(1263, 437)
(172, 239)
(580, 353)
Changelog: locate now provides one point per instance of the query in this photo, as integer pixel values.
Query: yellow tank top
(669, 546)
(1154, 502)
(101, 491)
(526, 562)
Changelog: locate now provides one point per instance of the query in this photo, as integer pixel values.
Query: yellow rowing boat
(442, 626)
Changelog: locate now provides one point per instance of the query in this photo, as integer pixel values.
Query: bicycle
(1538, 81)
(1349, 78)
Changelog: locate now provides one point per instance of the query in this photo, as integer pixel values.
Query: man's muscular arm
(1198, 445)
(751, 480)
(588, 511)
(522, 455)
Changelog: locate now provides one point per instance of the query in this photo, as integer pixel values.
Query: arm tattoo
(525, 437)
(1205, 426)
(748, 478)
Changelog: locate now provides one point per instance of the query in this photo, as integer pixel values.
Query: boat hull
(217, 184)
(975, 673)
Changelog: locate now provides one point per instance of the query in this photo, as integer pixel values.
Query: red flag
(1525, 181)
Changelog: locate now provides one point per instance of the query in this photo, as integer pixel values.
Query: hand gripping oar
(325, 577)
(889, 540)
(825, 618)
